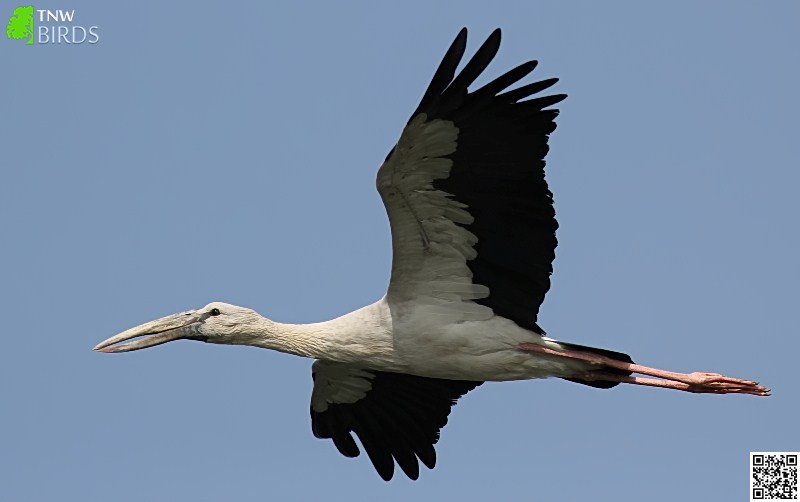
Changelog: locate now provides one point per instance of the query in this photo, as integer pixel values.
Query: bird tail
(600, 384)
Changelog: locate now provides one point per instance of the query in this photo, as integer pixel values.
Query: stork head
(215, 323)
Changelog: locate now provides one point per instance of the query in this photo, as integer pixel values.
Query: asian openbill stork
(473, 238)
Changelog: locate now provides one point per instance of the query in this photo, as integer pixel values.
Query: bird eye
(214, 311)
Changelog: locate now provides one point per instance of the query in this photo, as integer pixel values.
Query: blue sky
(221, 152)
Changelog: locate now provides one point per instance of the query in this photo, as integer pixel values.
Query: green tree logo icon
(20, 24)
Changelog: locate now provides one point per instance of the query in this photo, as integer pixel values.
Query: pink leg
(691, 382)
(669, 384)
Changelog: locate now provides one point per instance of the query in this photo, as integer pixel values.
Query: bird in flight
(473, 241)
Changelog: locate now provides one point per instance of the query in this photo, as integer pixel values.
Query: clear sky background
(227, 151)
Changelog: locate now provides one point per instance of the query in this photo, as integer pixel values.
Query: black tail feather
(600, 384)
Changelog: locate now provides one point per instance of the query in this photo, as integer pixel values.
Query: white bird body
(484, 350)
(371, 337)
(473, 241)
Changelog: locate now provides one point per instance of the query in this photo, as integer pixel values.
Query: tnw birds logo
(45, 26)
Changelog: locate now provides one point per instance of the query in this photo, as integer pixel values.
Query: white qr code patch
(773, 475)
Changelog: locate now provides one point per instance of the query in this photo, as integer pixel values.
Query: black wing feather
(445, 72)
(507, 79)
(398, 419)
(456, 92)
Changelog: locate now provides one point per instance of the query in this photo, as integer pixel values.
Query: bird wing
(396, 416)
(471, 215)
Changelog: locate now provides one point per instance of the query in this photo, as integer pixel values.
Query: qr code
(773, 476)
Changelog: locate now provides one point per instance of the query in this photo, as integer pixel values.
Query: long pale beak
(166, 329)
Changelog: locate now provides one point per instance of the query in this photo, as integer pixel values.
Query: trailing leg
(699, 382)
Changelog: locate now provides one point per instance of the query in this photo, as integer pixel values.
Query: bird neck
(305, 340)
(360, 336)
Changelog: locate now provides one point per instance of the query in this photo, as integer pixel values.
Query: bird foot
(714, 383)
